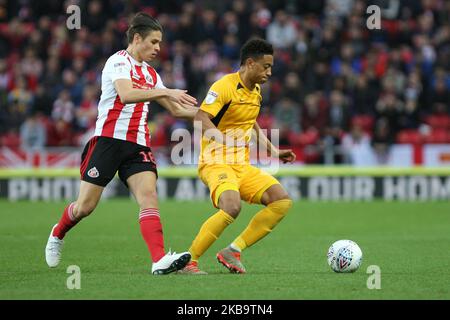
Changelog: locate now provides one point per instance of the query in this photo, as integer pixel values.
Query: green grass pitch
(409, 242)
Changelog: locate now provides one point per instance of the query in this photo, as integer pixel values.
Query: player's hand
(286, 155)
(182, 97)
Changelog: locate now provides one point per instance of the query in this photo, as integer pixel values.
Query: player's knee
(288, 203)
(147, 198)
(281, 206)
(232, 208)
(84, 208)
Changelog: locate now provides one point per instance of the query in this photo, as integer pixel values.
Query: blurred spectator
(339, 114)
(414, 88)
(409, 117)
(20, 96)
(207, 27)
(440, 97)
(338, 122)
(52, 75)
(5, 77)
(388, 108)
(364, 96)
(71, 83)
(287, 113)
(266, 119)
(313, 117)
(340, 8)
(63, 108)
(207, 57)
(19, 103)
(230, 47)
(42, 102)
(318, 77)
(186, 28)
(86, 113)
(382, 140)
(241, 9)
(32, 67)
(259, 20)
(181, 65)
(282, 32)
(95, 17)
(59, 134)
(293, 87)
(32, 133)
(356, 147)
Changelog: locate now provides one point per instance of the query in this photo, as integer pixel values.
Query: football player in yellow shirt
(228, 117)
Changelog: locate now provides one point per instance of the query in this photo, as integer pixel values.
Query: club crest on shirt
(211, 97)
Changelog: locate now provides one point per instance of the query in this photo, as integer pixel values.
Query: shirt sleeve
(159, 82)
(118, 67)
(217, 96)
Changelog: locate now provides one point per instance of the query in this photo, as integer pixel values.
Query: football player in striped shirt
(121, 143)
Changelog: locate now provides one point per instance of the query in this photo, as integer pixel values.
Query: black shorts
(102, 157)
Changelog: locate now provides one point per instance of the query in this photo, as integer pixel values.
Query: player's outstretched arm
(128, 94)
(284, 155)
(178, 110)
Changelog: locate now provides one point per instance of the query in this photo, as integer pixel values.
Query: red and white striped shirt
(125, 121)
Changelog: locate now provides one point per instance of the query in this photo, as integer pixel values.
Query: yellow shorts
(249, 181)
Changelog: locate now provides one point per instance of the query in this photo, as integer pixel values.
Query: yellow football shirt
(234, 108)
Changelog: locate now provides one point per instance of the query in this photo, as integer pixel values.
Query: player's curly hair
(255, 48)
(142, 24)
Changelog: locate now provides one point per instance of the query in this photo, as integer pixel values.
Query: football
(344, 256)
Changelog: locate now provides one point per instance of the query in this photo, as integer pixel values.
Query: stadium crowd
(336, 84)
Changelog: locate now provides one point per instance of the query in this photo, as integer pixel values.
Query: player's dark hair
(255, 48)
(142, 24)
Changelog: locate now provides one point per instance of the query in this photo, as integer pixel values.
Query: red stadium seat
(409, 137)
(10, 140)
(438, 136)
(438, 121)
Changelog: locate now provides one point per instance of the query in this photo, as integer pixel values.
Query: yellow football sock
(262, 223)
(209, 232)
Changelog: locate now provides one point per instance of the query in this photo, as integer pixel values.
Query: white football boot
(171, 262)
(53, 250)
